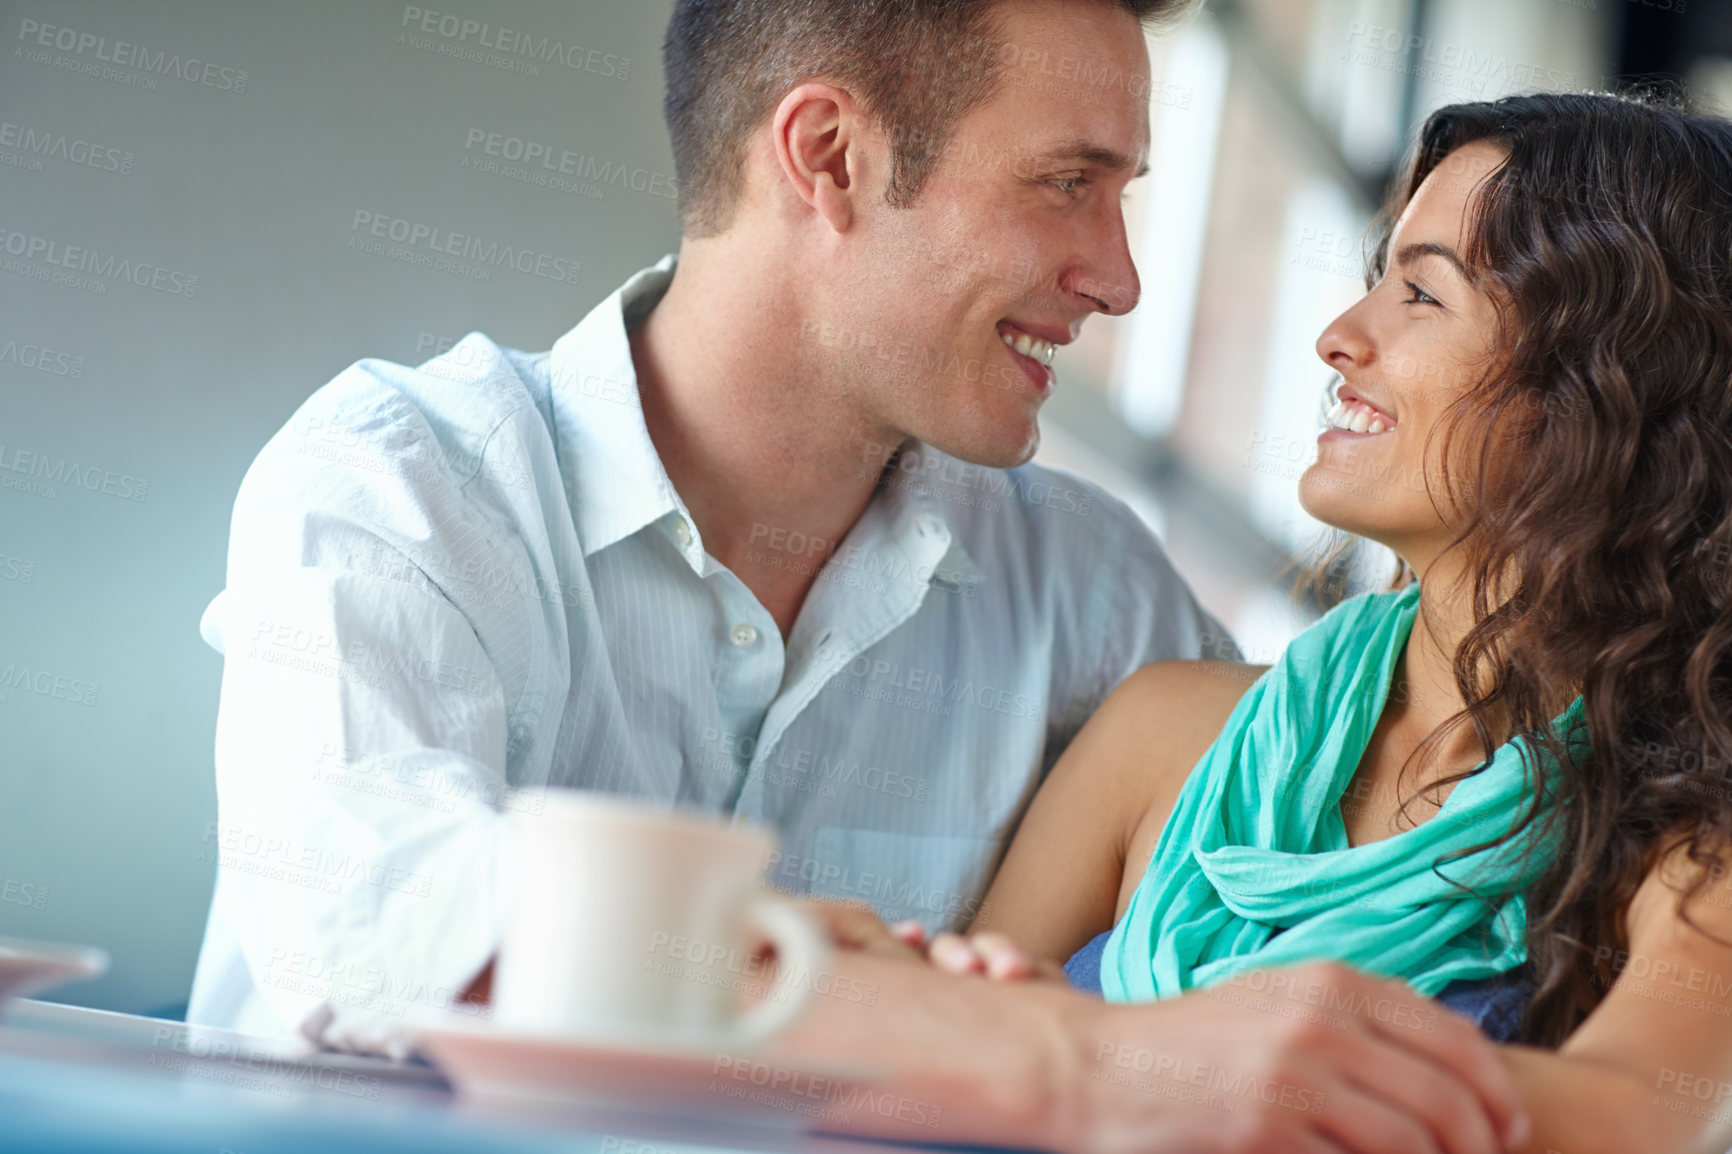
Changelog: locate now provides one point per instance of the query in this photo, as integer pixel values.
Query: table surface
(73, 1079)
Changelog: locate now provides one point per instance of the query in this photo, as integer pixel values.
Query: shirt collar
(616, 483)
(614, 479)
(922, 494)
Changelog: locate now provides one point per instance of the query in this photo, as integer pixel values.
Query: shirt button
(683, 531)
(742, 635)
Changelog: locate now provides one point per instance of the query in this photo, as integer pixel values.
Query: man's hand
(855, 925)
(1320, 1059)
(991, 954)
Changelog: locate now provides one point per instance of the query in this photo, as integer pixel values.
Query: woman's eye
(1420, 296)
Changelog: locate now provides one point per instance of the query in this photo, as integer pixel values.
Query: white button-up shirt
(449, 585)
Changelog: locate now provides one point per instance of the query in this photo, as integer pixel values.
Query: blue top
(1494, 1004)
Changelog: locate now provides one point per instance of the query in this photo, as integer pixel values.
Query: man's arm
(362, 734)
(1323, 1059)
(1334, 1061)
(1124, 606)
(356, 827)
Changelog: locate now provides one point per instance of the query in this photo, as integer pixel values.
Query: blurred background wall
(188, 193)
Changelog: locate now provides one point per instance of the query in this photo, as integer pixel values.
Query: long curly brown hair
(1598, 518)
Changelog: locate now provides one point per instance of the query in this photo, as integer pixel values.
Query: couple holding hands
(1448, 876)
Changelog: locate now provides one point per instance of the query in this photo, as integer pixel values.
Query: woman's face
(1414, 344)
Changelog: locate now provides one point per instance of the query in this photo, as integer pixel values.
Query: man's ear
(819, 134)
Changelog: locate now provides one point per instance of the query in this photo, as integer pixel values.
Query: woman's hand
(990, 954)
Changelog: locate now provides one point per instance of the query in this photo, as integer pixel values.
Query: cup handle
(801, 947)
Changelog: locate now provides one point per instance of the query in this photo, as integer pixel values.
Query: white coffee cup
(627, 922)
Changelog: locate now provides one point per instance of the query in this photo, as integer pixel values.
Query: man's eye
(1068, 184)
(1420, 296)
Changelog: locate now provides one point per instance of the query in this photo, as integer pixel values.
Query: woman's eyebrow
(1408, 253)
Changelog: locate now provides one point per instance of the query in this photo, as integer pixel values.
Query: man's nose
(1108, 277)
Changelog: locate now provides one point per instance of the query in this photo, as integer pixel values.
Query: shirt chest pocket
(936, 880)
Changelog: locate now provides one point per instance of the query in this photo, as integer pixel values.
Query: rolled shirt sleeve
(1122, 616)
(361, 746)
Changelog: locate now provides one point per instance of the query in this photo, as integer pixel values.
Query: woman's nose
(1344, 343)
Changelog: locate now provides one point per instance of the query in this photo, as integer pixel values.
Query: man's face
(1018, 233)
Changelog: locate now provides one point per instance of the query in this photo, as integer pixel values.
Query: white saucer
(685, 1077)
(28, 967)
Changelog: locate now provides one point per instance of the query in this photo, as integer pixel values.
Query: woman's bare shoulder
(1169, 713)
(1161, 719)
(1181, 696)
(1057, 885)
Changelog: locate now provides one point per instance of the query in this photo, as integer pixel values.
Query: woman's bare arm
(1104, 804)
(1651, 1068)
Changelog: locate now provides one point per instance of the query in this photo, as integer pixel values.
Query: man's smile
(1033, 353)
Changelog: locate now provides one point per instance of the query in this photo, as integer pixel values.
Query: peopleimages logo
(542, 161)
(93, 263)
(42, 360)
(434, 243)
(521, 48)
(1448, 63)
(46, 683)
(48, 145)
(66, 471)
(35, 34)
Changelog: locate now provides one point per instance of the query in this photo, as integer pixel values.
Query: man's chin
(1004, 450)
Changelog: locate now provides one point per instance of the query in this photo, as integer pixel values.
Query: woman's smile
(1354, 414)
(1355, 420)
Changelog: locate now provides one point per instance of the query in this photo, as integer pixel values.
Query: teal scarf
(1257, 842)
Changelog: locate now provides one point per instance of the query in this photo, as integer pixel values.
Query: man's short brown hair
(917, 66)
